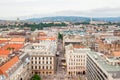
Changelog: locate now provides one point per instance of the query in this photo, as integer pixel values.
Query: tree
(36, 77)
(11, 48)
(60, 36)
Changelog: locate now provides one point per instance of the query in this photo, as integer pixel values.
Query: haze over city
(59, 39)
(10, 9)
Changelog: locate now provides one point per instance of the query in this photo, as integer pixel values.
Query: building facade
(43, 59)
(75, 59)
(100, 67)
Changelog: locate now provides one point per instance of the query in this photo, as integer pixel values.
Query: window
(46, 62)
(43, 67)
(69, 63)
(46, 67)
(69, 72)
(50, 72)
(32, 67)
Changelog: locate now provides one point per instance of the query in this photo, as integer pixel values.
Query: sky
(11, 9)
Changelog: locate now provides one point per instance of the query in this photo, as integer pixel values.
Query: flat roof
(74, 32)
(102, 62)
(41, 48)
(112, 70)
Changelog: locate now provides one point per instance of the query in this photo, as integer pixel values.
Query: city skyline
(10, 9)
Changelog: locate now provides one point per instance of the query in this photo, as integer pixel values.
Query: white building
(100, 67)
(76, 59)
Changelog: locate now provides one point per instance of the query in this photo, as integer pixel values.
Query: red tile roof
(3, 41)
(116, 54)
(4, 51)
(8, 65)
(17, 40)
(42, 34)
(15, 46)
(44, 38)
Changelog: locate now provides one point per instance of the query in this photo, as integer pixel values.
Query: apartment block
(108, 44)
(43, 59)
(101, 67)
(76, 59)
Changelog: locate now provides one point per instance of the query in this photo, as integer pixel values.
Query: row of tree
(42, 25)
(34, 26)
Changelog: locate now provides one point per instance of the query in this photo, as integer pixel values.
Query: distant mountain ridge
(108, 19)
(60, 18)
(73, 19)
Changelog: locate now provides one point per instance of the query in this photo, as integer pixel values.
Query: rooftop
(75, 32)
(16, 47)
(111, 39)
(41, 48)
(3, 41)
(78, 46)
(17, 40)
(47, 38)
(8, 65)
(42, 34)
(116, 54)
(4, 53)
(102, 62)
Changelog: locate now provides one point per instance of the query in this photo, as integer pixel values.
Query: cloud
(99, 12)
(16, 1)
(41, 8)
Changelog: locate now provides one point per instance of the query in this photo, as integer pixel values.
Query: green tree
(60, 36)
(36, 77)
